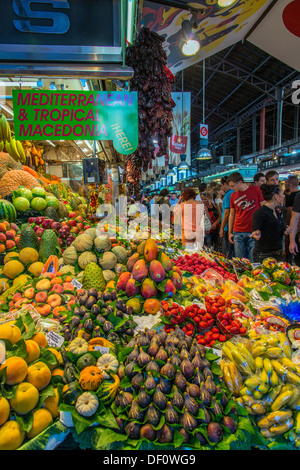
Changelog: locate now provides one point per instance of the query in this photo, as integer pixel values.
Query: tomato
(211, 343)
(211, 322)
(224, 323)
(243, 330)
(189, 333)
(222, 338)
(197, 319)
(202, 341)
(215, 330)
(214, 311)
(203, 324)
(215, 336)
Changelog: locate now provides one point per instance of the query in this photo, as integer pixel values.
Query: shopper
(161, 200)
(291, 189)
(218, 196)
(272, 177)
(188, 213)
(259, 179)
(268, 227)
(294, 246)
(173, 199)
(202, 188)
(227, 247)
(213, 211)
(243, 203)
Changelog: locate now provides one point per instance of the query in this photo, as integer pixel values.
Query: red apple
(72, 215)
(32, 220)
(61, 242)
(69, 240)
(80, 226)
(72, 223)
(55, 225)
(74, 230)
(39, 220)
(79, 218)
(40, 231)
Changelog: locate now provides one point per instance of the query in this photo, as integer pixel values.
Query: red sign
(178, 144)
(203, 131)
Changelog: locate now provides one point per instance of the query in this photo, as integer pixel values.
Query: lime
(21, 204)
(38, 203)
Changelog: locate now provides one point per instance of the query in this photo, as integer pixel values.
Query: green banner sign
(77, 115)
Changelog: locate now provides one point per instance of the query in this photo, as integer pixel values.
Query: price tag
(102, 349)
(54, 339)
(76, 283)
(297, 292)
(91, 179)
(2, 352)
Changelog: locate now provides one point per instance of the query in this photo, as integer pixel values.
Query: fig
(85, 335)
(190, 404)
(229, 423)
(107, 327)
(180, 381)
(184, 354)
(165, 385)
(153, 415)
(97, 332)
(182, 344)
(83, 311)
(90, 302)
(201, 438)
(121, 424)
(150, 382)
(137, 380)
(197, 361)
(205, 362)
(178, 332)
(119, 314)
(124, 399)
(143, 399)
(177, 399)
(174, 359)
(93, 292)
(135, 412)
(223, 400)
(207, 373)
(132, 343)
(88, 325)
(187, 421)
(159, 399)
(214, 432)
(153, 348)
(189, 341)
(216, 409)
(100, 319)
(134, 353)
(129, 369)
(113, 295)
(147, 432)
(165, 434)
(193, 390)
(205, 396)
(133, 430)
(162, 336)
(198, 377)
(210, 386)
(150, 332)
(76, 311)
(143, 339)
(75, 321)
(168, 370)
(161, 355)
(67, 335)
(187, 368)
(171, 416)
(106, 296)
(185, 434)
(152, 365)
(143, 358)
(171, 349)
(86, 316)
(119, 304)
(95, 310)
(83, 298)
(129, 310)
(113, 338)
(121, 371)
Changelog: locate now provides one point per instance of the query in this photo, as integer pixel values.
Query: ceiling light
(226, 3)
(191, 45)
(204, 154)
(51, 143)
(23, 84)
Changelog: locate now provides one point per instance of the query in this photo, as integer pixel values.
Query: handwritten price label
(76, 284)
(102, 349)
(54, 339)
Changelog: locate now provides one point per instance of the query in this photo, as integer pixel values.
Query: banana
(259, 350)
(295, 379)
(258, 408)
(228, 379)
(286, 362)
(236, 377)
(227, 352)
(21, 151)
(297, 423)
(259, 363)
(285, 345)
(267, 366)
(281, 400)
(278, 429)
(294, 399)
(247, 355)
(274, 379)
(247, 400)
(253, 382)
(280, 369)
(273, 352)
(275, 417)
(273, 394)
(264, 376)
(271, 340)
(267, 433)
(241, 362)
(258, 394)
(14, 150)
(2, 134)
(263, 388)
(245, 391)
(1, 145)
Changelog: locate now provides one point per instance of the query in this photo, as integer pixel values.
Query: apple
(72, 215)
(87, 226)
(40, 231)
(39, 220)
(80, 225)
(74, 230)
(72, 223)
(64, 223)
(79, 218)
(61, 242)
(55, 225)
(31, 220)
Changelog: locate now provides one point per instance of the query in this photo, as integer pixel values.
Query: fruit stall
(131, 344)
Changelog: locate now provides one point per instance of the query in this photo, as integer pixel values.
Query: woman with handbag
(214, 213)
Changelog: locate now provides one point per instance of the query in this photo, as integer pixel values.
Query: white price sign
(54, 339)
(102, 349)
(76, 284)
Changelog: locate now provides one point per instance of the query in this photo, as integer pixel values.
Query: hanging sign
(203, 131)
(77, 115)
(180, 140)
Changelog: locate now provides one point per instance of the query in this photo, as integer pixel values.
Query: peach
(56, 280)
(2, 248)
(33, 350)
(2, 227)
(54, 300)
(21, 302)
(40, 339)
(17, 239)
(10, 244)
(14, 227)
(11, 304)
(71, 302)
(2, 237)
(49, 275)
(58, 288)
(57, 311)
(43, 284)
(39, 375)
(29, 293)
(68, 286)
(41, 297)
(7, 224)
(10, 234)
(17, 296)
(43, 310)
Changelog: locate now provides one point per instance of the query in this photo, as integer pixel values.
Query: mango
(151, 250)
(156, 271)
(123, 279)
(131, 261)
(140, 270)
(131, 288)
(165, 261)
(170, 288)
(141, 247)
(148, 289)
(177, 270)
(177, 280)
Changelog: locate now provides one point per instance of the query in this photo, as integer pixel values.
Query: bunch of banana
(275, 423)
(240, 354)
(5, 132)
(15, 149)
(232, 378)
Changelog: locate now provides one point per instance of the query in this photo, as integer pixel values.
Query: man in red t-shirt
(243, 203)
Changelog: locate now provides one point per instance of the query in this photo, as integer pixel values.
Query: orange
(40, 339)
(16, 370)
(57, 371)
(51, 404)
(41, 420)
(4, 410)
(39, 375)
(10, 332)
(152, 306)
(33, 350)
(11, 436)
(26, 398)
